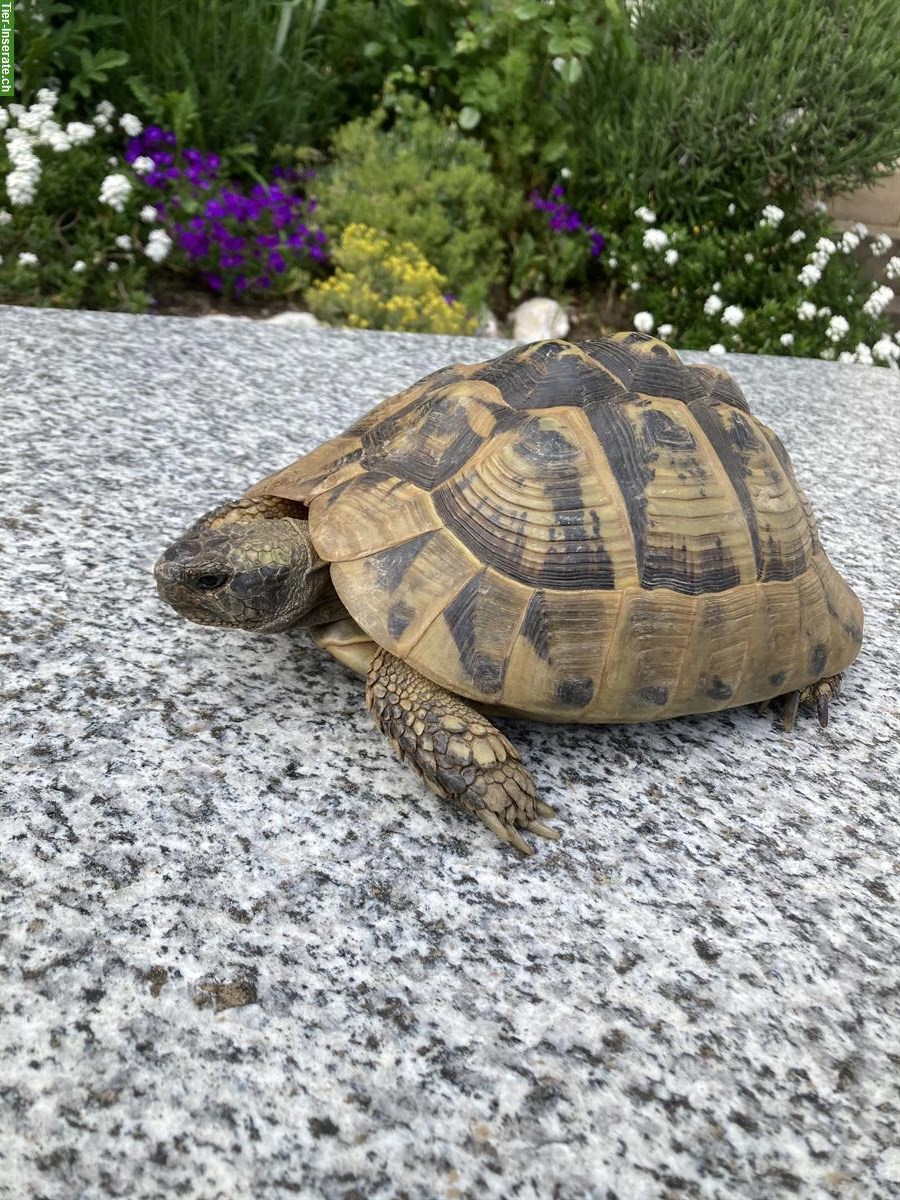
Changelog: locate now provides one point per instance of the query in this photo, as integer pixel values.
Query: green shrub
(71, 235)
(383, 285)
(739, 100)
(773, 287)
(423, 182)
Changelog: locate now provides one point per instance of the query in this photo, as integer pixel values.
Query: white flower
(824, 311)
(612, 262)
(825, 247)
(22, 180)
(130, 124)
(112, 161)
(647, 215)
(885, 350)
(772, 215)
(634, 286)
(558, 63)
(143, 164)
(105, 109)
(797, 236)
(880, 245)
(79, 265)
(4, 117)
(114, 191)
(863, 354)
(47, 96)
(829, 352)
(158, 245)
(15, 110)
(717, 287)
(748, 259)
(892, 270)
(809, 275)
(112, 267)
(565, 173)
(712, 306)
(733, 315)
(643, 322)
(717, 348)
(123, 241)
(78, 132)
(666, 331)
(671, 258)
(34, 117)
(655, 239)
(849, 241)
(838, 327)
(806, 310)
(878, 301)
(846, 356)
(148, 213)
(861, 230)
(731, 209)
(5, 217)
(102, 122)
(27, 259)
(820, 206)
(787, 339)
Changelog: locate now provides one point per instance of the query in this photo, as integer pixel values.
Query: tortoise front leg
(458, 753)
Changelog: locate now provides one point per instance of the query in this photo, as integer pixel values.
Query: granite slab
(246, 953)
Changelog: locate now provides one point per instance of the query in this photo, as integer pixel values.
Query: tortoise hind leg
(458, 753)
(817, 695)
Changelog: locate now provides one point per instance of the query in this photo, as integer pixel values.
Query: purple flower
(566, 220)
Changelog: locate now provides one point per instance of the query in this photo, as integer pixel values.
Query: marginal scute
(590, 532)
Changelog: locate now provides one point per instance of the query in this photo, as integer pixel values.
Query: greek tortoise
(591, 532)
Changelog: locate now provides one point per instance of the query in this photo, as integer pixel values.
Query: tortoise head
(236, 569)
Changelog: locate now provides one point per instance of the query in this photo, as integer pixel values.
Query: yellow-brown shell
(581, 532)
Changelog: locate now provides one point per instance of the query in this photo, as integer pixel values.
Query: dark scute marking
(391, 565)
(653, 695)
(461, 614)
(534, 626)
(849, 626)
(778, 678)
(817, 659)
(438, 381)
(668, 378)
(574, 693)
(719, 690)
(709, 570)
(728, 454)
(616, 357)
(399, 617)
(516, 372)
(726, 391)
(429, 446)
(659, 430)
(628, 464)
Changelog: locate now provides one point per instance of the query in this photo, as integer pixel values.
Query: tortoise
(581, 532)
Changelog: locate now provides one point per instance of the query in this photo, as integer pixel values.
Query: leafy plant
(739, 100)
(775, 286)
(558, 248)
(380, 284)
(54, 41)
(422, 181)
(239, 241)
(71, 236)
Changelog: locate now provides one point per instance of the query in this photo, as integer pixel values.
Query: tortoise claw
(544, 810)
(506, 833)
(822, 709)
(542, 830)
(789, 712)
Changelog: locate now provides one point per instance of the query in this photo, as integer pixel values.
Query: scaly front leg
(458, 753)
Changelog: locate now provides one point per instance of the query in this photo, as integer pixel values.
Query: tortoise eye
(210, 583)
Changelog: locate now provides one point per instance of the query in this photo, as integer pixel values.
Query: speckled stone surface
(246, 953)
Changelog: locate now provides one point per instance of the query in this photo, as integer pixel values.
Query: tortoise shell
(581, 532)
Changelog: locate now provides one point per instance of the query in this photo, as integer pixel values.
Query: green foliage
(423, 182)
(54, 41)
(381, 284)
(740, 100)
(755, 269)
(72, 235)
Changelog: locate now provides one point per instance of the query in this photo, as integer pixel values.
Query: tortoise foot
(457, 751)
(816, 695)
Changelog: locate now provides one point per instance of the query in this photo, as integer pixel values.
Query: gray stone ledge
(248, 954)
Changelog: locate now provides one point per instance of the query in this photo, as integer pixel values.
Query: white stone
(297, 320)
(488, 325)
(539, 318)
